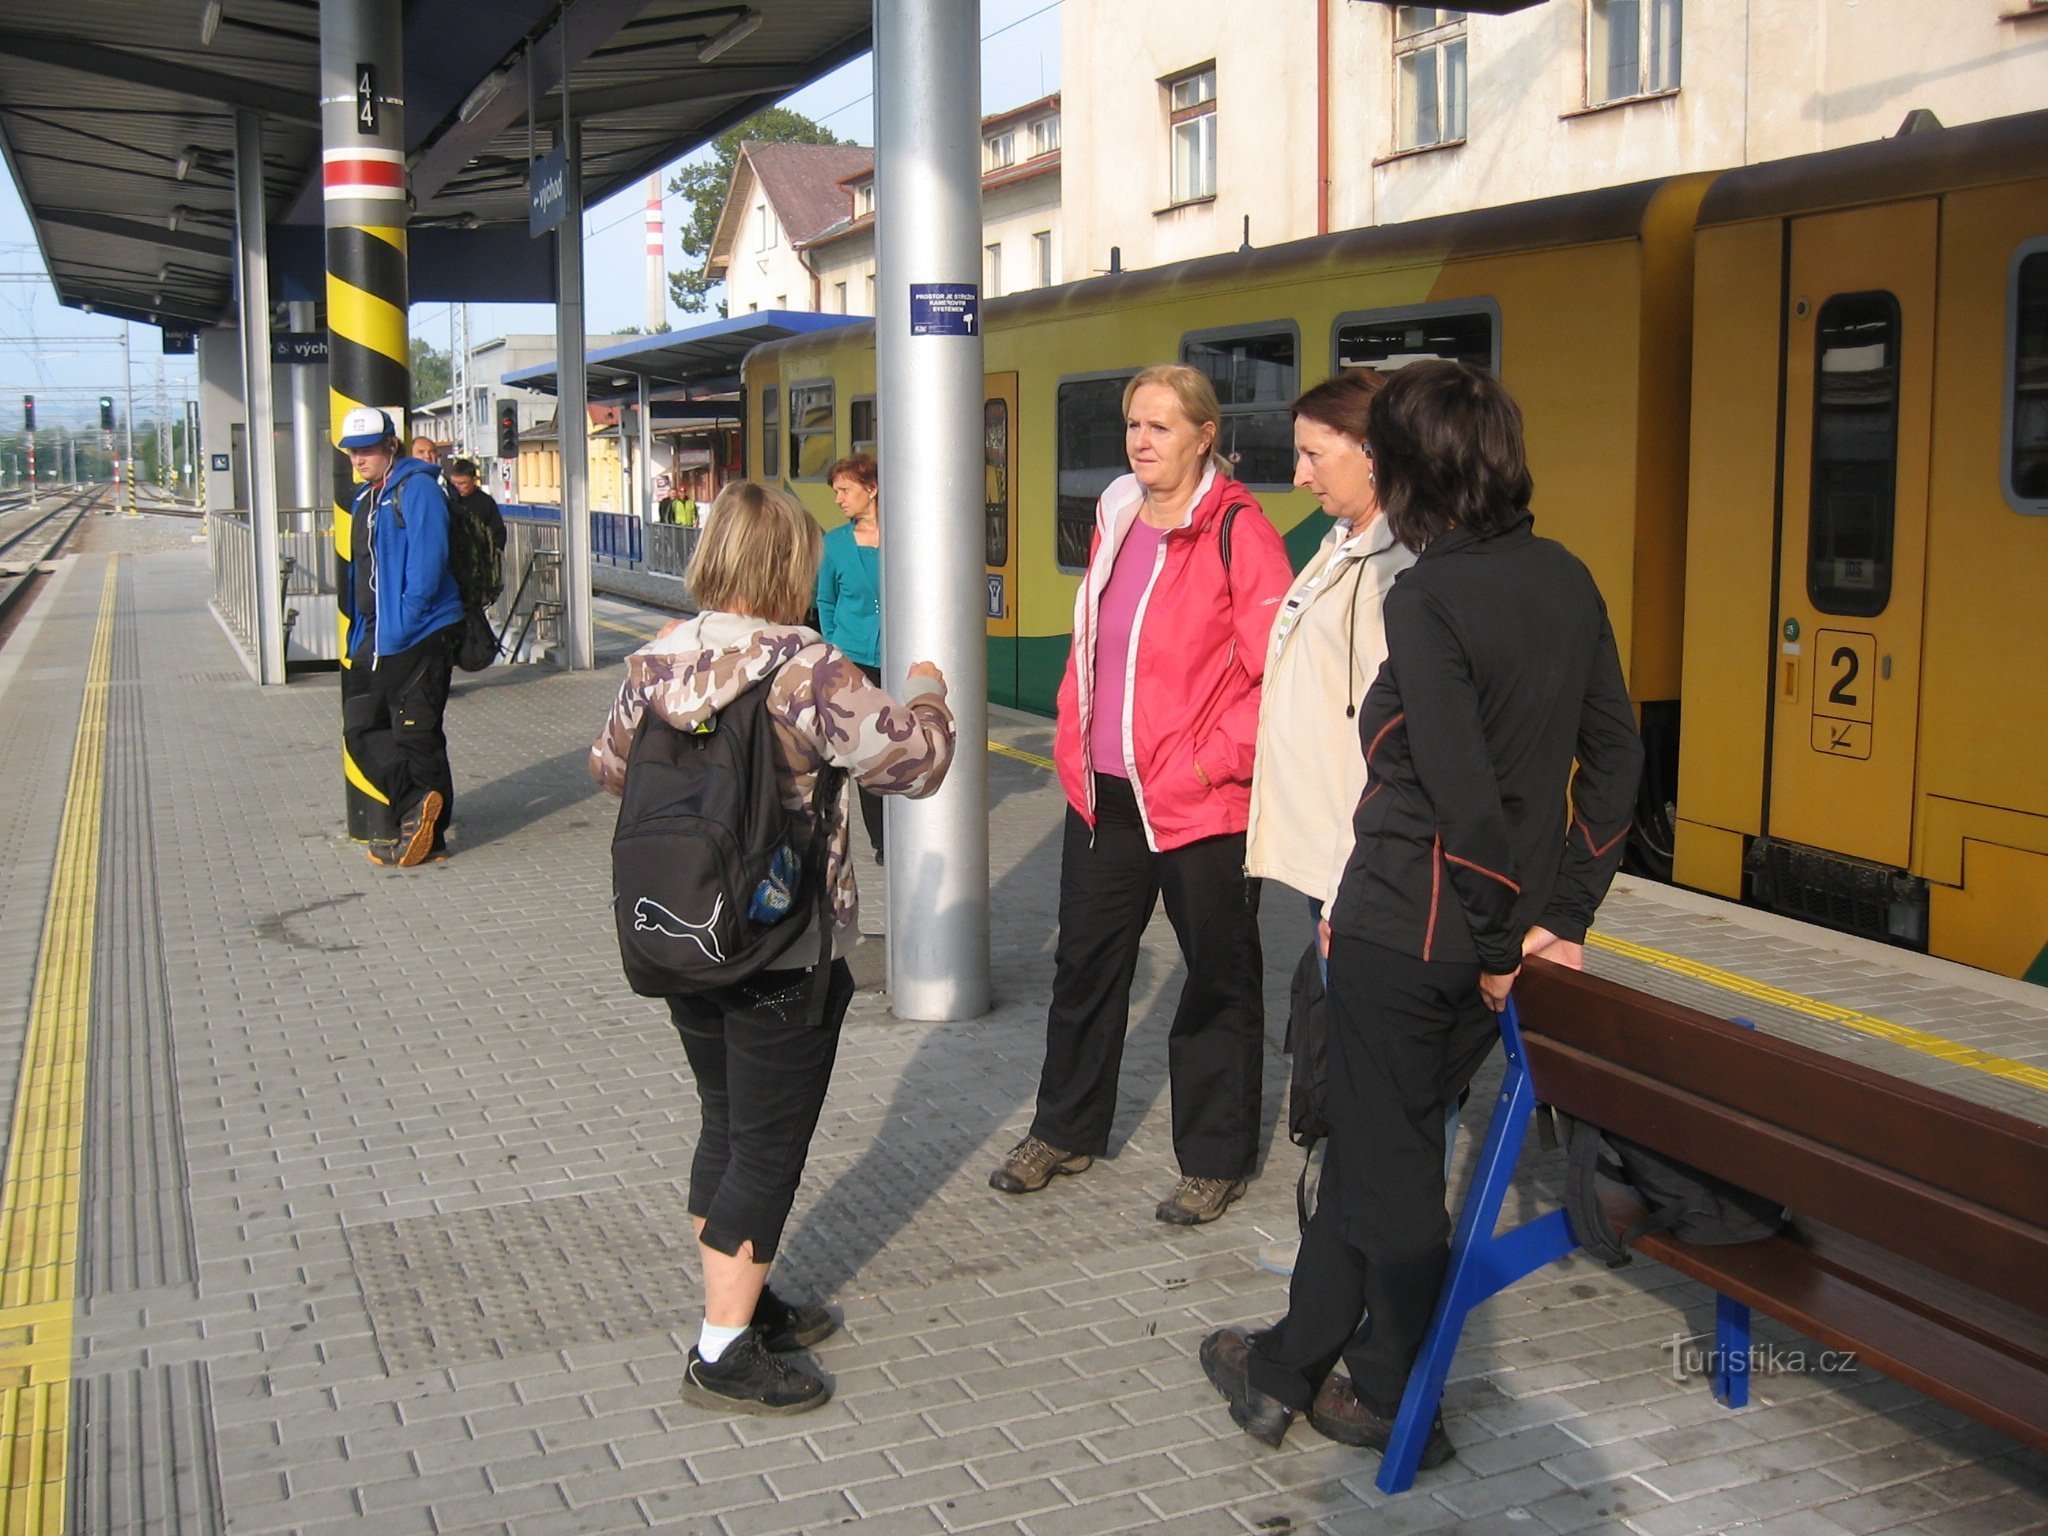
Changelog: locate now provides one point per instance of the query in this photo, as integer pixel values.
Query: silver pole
(309, 399)
(128, 384)
(643, 453)
(251, 240)
(928, 192)
(572, 414)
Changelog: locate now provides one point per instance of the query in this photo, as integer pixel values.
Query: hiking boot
(1195, 1201)
(1337, 1414)
(1031, 1165)
(783, 1326)
(748, 1379)
(416, 831)
(1226, 1361)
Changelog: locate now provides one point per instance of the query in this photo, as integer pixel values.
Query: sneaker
(1226, 1361)
(784, 1326)
(748, 1379)
(1195, 1201)
(416, 831)
(384, 853)
(1338, 1414)
(1032, 1164)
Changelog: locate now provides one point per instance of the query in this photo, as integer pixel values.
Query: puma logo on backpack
(651, 914)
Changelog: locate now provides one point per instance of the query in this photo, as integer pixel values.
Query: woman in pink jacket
(1157, 719)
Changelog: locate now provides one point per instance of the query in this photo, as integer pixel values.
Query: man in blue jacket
(408, 617)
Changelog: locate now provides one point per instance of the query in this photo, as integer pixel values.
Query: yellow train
(1794, 417)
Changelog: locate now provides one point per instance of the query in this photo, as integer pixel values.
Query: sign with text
(180, 343)
(366, 98)
(547, 189)
(944, 309)
(287, 347)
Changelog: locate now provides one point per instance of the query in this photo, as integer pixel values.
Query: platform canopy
(703, 359)
(116, 121)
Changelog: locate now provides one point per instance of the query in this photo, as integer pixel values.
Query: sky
(67, 359)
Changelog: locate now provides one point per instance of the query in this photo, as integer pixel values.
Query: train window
(1257, 375)
(1855, 454)
(2026, 384)
(995, 479)
(771, 433)
(861, 424)
(1091, 454)
(1387, 339)
(812, 444)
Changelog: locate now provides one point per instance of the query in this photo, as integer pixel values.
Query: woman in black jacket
(1477, 845)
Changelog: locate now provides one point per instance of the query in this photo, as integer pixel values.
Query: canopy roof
(704, 359)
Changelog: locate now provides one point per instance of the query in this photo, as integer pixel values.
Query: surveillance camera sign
(945, 309)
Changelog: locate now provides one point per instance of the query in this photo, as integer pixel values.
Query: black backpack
(1694, 1207)
(701, 828)
(1308, 1046)
(473, 557)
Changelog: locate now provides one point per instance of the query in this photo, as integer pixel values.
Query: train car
(1866, 658)
(1839, 363)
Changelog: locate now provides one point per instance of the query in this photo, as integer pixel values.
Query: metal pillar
(128, 362)
(643, 457)
(251, 243)
(362, 135)
(310, 454)
(928, 191)
(572, 403)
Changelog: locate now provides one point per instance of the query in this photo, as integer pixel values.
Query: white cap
(365, 427)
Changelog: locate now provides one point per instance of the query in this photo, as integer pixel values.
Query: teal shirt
(850, 596)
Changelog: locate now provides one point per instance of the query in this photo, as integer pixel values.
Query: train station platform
(347, 1199)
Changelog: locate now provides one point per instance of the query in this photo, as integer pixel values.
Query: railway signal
(106, 413)
(28, 414)
(508, 429)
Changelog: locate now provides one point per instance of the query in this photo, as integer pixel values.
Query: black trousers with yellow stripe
(391, 717)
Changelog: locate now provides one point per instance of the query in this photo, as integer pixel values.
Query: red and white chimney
(657, 272)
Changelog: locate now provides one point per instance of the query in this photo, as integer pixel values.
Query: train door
(1852, 547)
(999, 524)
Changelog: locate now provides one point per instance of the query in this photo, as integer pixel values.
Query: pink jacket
(1199, 653)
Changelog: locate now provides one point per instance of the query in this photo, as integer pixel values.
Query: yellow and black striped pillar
(362, 125)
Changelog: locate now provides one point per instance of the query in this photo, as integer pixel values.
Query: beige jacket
(1326, 648)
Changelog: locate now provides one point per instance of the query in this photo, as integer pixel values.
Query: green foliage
(705, 182)
(433, 371)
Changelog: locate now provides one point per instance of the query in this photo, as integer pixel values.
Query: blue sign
(995, 594)
(547, 191)
(944, 309)
(219, 463)
(288, 347)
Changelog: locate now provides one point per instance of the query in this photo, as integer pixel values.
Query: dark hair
(859, 467)
(1342, 402)
(1446, 442)
(462, 467)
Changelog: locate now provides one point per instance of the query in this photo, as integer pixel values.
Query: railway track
(23, 552)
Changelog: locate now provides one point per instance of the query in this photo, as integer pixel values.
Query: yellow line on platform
(1021, 755)
(39, 1195)
(1848, 1018)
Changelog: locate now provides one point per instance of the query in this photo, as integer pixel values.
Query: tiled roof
(803, 182)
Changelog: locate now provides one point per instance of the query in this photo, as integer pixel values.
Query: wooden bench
(1920, 1242)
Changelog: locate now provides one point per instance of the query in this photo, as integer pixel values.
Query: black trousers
(1109, 883)
(870, 802)
(391, 719)
(1406, 1035)
(761, 1071)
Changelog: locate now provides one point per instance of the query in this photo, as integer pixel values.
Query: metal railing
(527, 617)
(669, 549)
(232, 552)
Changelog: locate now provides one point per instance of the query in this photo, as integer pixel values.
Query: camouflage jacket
(823, 707)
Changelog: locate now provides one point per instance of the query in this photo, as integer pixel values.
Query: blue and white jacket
(403, 590)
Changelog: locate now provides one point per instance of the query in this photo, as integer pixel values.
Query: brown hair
(1342, 402)
(757, 555)
(858, 467)
(1446, 441)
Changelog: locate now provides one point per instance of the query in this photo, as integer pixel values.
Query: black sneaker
(784, 1326)
(748, 1379)
(416, 833)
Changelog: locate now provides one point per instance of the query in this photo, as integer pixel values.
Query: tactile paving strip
(143, 1454)
(511, 1279)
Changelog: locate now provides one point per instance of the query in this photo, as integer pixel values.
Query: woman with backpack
(761, 1064)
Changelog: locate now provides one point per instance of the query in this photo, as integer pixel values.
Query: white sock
(713, 1342)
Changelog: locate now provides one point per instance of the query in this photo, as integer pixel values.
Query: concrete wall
(773, 277)
(221, 417)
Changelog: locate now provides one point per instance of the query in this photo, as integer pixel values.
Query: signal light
(28, 414)
(106, 413)
(508, 429)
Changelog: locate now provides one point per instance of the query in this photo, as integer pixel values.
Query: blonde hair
(758, 555)
(1197, 397)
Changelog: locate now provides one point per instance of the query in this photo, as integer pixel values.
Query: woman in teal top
(850, 589)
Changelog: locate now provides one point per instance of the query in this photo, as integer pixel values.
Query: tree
(704, 183)
(433, 371)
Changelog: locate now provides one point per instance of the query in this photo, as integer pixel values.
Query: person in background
(850, 589)
(466, 493)
(426, 451)
(408, 617)
(761, 1068)
(1156, 720)
(1477, 843)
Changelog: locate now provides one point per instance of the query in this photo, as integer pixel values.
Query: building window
(999, 150)
(1041, 258)
(1632, 48)
(992, 270)
(810, 430)
(1090, 429)
(860, 424)
(1388, 339)
(2026, 421)
(1855, 454)
(863, 199)
(764, 228)
(1045, 133)
(1429, 70)
(1191, 101)
(1257, 376)
(839, 292)
(771, 432)
(871, 293)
